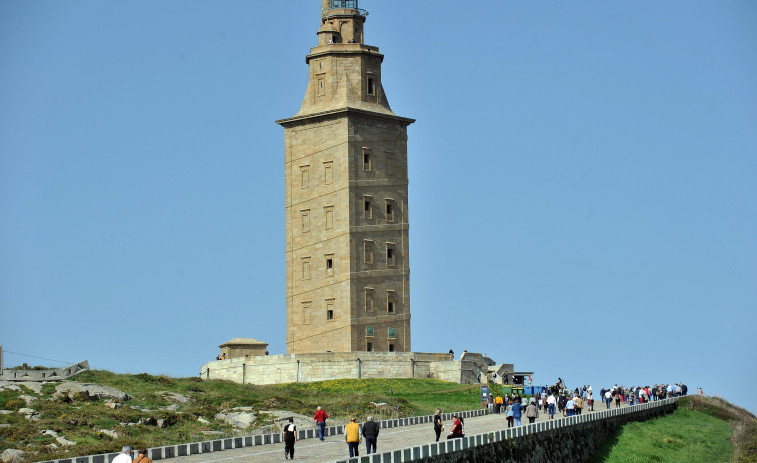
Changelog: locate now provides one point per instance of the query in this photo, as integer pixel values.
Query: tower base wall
(305, 368)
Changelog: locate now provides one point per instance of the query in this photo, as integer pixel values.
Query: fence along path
(400, 440)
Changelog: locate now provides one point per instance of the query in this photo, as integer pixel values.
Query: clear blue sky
(583, 181)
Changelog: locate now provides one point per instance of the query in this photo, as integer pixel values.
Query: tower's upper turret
(344, 72)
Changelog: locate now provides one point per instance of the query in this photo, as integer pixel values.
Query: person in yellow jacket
(352, 436)
(498, 404)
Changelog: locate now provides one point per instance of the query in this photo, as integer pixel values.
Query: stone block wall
(290, 368)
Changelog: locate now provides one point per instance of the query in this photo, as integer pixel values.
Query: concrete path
(334, 448)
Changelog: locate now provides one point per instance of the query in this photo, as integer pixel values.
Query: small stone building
(243, 347)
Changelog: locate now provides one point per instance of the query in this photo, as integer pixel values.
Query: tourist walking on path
(370, 432)
(570, 407)
(608, 398)
(320, 421)
(517, 410)
(509, 414)
(352, 436)
(142, 457)
(289, 436)
(124, 456)
(532, 412)
(438, 425)
(551, 403)
(590, 400)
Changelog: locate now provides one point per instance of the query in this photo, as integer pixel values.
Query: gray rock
(65, 442)
(9, 386)
(35, 386)
(49, 432)
(92, 391)
(170, 408)
(12, 456)
(202, 420)
(29, 413)
(175, 396)
(107, 432)
(239, 420)
(27, 398)
(6, 412)
(113, 405)
(161, 423)
(212, 432)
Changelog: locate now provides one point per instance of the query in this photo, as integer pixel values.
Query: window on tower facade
(392, 333)
(369, 299)
(328, 172)
(329, 265)
(305, 213)
(391, 306)
(329, 310)
(369, 347)
(389, 211)
(391, 347)
(371, 86)
(306, 268)
(366, 160)
(368, 251)
(391, 259)
(328, 213)
(306, 313)
(305, 176)
(367, 211)
(369, 331)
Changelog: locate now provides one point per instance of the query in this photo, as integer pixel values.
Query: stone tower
(346, 199)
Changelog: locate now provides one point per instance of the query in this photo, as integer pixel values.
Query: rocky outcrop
(12, 456)
(29, 413)
(70, 389)
(239, 420)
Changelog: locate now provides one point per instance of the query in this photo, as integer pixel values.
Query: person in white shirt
(124, 456)
(551, 403)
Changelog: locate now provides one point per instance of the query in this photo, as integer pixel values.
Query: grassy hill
(137, 422)
(702, 429)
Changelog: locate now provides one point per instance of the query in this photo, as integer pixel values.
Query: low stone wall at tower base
(567, 440)
(303, 368)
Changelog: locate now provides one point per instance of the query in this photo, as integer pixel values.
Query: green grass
(702, 429)
(79, 420)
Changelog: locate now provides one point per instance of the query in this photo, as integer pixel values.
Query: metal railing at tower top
(344, 4)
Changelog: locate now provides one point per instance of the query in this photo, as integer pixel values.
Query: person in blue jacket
(517, 409)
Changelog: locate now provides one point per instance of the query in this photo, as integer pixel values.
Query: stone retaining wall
(567, 440)
(303, 368)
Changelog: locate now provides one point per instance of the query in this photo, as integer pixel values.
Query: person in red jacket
(320, 421)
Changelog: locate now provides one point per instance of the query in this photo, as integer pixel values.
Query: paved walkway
(334, 448)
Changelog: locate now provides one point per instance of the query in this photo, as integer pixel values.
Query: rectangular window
(330, 310)
(321, 87)
(369, 299)
(368, 248)
(389, 211)
(392, 333)
(390, 306)
(390, 260)
(366, 161)
(328, 213)
(371, 86)
(328, 172)
(306, 313)
(306, 268)
(305, 213)
(369, 347)
(367, 208)
(329, 265)
(391, 347)
(369, 331)
(305, 176)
